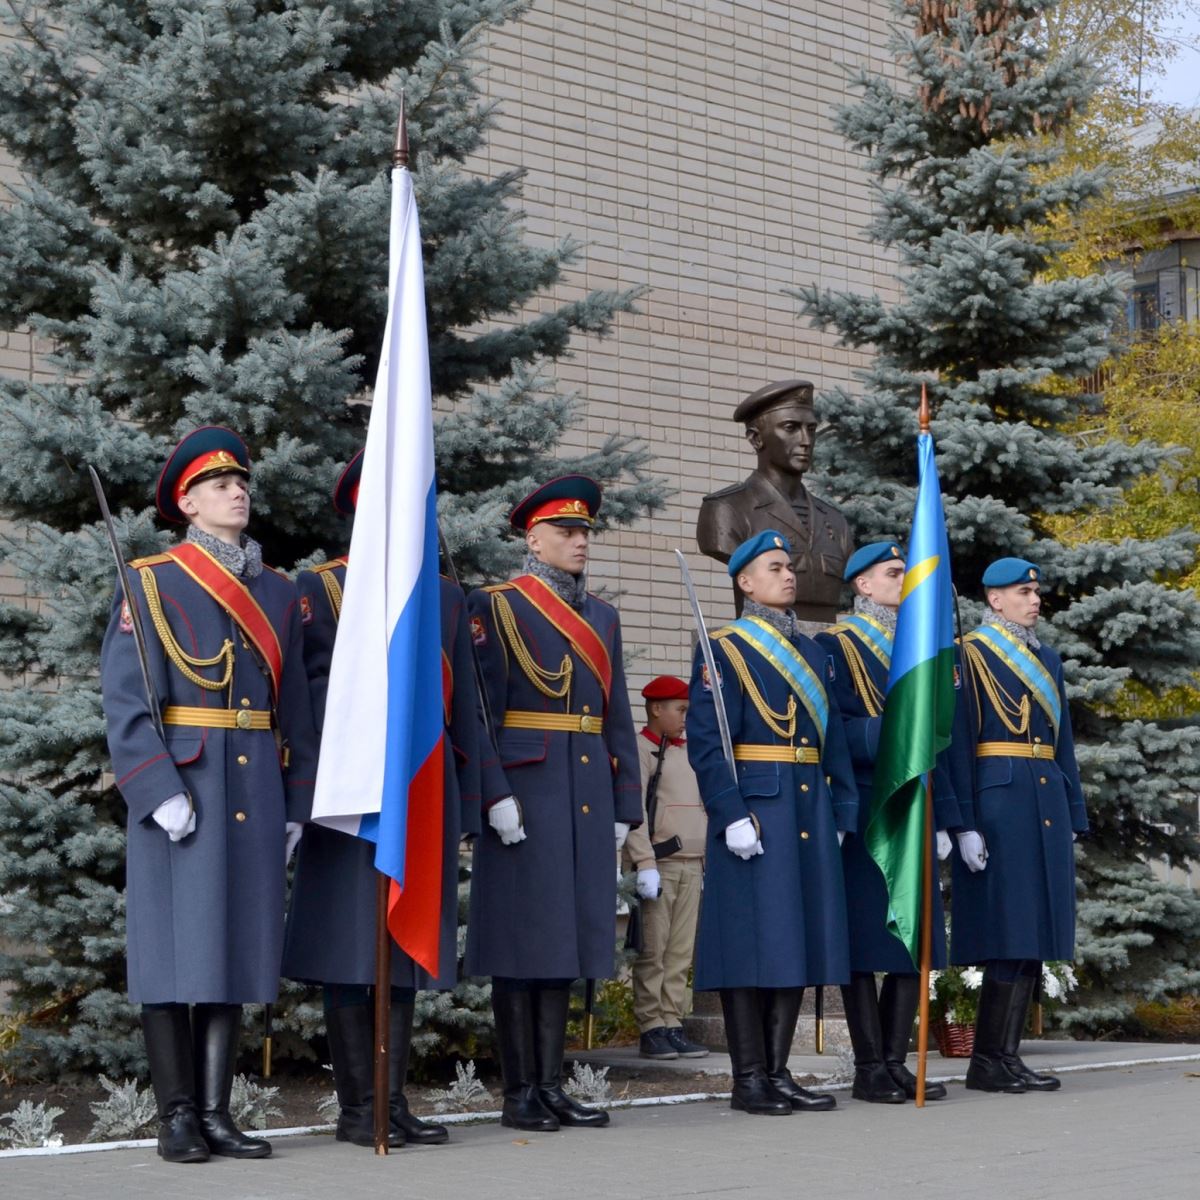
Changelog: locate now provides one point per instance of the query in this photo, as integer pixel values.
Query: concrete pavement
(1108, 1135)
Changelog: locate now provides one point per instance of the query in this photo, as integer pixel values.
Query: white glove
(621, 831)
(295, 830)
(1074, 837)
(973, 850)
(649, 883)
(742, 838)
(176, 816)
(841, 836)
(505, 818)
(944, 845)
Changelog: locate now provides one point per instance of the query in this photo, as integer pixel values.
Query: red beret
(665, 687)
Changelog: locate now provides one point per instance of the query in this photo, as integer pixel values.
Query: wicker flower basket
(953, 1040)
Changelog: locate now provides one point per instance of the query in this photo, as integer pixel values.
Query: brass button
(242, 760)
(239, 816)
(804, 834)
(1037, 741)
(1047, 822)
(245, 701)
(587, 724)
(243, 719)
(804, 741)
(804, 787)
(583, 758)
(586, 708)
(585, 809)
(829, 780)
(1041, 779)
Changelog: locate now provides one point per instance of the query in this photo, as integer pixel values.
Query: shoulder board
(331, 565)
(496, 587)
(731, 490)
(834, 630)
(151, 560)
(277, 571)
(601, 601)
(723, 632)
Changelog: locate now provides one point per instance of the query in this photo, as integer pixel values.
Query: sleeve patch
(957, 678)
(126, 625)
(478, 631)
(830, 669)
(706, 681)
(306, 610)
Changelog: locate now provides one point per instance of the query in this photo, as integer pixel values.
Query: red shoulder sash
(585, 641)
(235, 598)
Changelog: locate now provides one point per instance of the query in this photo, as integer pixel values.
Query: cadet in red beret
(667, 850)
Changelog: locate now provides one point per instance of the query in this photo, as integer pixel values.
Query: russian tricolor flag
(381, 768)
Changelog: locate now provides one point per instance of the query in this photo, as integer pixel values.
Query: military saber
(268, 1014)
(589, 1013)
(130, 603)
(710, 665)
(819, 1013)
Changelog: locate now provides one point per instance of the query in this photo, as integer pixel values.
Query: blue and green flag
(919, 707)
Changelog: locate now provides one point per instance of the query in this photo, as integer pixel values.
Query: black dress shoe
(525, 1110)
(801, 1099)
(656, 1043)
(684, 1047)
(1031, 1079)
(412, 1130)
(180, 1139)
(571, 1112)
(906, 1080)
(754, 1093)
(874, 1084)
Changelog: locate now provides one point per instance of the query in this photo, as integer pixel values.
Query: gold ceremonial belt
(216, 718)
(784, 754)
(519, 718)
(1013, 750)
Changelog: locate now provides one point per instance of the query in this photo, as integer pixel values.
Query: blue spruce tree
(963, 147)
(200, 236)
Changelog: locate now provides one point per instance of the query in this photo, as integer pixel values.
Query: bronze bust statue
(781, 425)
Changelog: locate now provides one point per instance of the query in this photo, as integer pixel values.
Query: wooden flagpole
(383, 885)
(926, 950)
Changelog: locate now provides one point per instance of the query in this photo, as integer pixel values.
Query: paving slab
(1109, 1134)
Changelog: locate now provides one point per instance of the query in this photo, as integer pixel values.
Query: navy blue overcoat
(779, 918)
(1022, 905)
(331, 920)
(872, 946)
(545, 908)
(205, 915)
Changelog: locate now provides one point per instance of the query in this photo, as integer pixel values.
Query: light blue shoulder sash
(1027, 667)
(872, 635)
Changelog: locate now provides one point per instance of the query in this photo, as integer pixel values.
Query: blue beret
(752, 547)
(1007, 572)
(865, 557)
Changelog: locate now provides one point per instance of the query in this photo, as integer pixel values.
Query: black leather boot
(987, 1072)
(872, 1080)
(351, 1033)
(215, 1032)
(550, 1009)
(1014, 1026)
(404, 1126)
(168, 1033)
(753, 1092)
(898, 1000)
(512, 1006)
(780, 1008)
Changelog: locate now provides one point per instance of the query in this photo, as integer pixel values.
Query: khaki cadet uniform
(668, 923)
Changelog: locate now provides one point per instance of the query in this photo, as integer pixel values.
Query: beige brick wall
(691, 147)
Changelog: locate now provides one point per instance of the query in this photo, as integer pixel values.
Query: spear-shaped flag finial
(923, 412)
(400, 149)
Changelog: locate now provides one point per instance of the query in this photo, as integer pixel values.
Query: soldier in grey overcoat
(331, 921)
(215, 802)
(543, 899)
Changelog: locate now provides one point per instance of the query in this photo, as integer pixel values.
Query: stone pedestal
(706, 1026)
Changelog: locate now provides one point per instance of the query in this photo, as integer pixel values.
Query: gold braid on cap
(183, 661)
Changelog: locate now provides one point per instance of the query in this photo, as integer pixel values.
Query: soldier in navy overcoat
(543, 897)
(215, 802)
(773, 913)
(1017, 781)
(880, 1023)
(331, 922)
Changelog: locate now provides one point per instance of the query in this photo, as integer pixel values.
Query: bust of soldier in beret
(781, 425)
